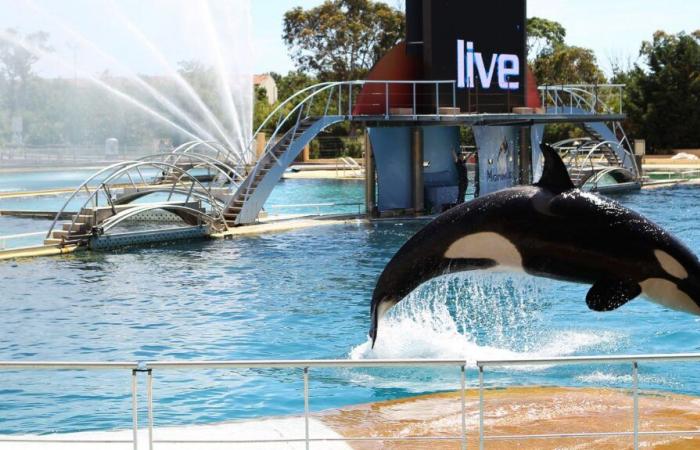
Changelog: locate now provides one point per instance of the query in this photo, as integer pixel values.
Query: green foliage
(566, 64)
(16, 61)
(293, 82)
(341, 39)
(662, 99)
(543, 36)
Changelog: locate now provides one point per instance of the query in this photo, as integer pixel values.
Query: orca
(550, 229)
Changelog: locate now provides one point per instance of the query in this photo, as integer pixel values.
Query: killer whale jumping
(550, 229)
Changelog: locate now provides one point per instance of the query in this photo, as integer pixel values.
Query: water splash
(476, 316)
(171, 71)
(131, 75)
(97, 81)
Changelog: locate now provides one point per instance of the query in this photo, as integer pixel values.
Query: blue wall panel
(438, 145)
(392, 154)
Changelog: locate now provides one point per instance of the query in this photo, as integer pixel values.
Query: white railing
(347, 163)
(593, 98)
(317, 206)
(305, 366)
(11, 237)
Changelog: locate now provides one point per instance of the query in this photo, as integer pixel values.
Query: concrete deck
(511, 411)
(277, 428)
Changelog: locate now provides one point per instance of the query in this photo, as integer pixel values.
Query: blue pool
(303, 294)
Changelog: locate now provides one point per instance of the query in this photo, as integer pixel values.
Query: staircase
(602, 132)
(266, 163)
(73, 232)
(579, 175)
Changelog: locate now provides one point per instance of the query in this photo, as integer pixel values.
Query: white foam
(494, 318)
(602, 378)
(405, 338)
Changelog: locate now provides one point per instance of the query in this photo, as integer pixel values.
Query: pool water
(305, 294)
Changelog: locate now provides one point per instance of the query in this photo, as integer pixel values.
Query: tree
(543, 35)
(566, 64)
(554, 62)
(341, 39)
(16, 63)
(662, 98)
(293, 82)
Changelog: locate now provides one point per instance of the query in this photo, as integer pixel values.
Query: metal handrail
(306, 365)
(318, 206)
(120, 168)
(297, 114)
(134, 367)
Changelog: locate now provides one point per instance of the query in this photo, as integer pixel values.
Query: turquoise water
(304, 294)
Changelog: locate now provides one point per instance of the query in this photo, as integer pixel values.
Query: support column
(306, 153)
(525, 156)
(260, 141)
(417, 169)
(370, 177)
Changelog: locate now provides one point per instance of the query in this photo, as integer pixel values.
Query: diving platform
(211, 190)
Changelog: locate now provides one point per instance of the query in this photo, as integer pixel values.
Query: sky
(614, 29)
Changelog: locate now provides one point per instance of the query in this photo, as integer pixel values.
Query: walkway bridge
(303, 116)
(178, 187)
(606, 152)
(211, 189)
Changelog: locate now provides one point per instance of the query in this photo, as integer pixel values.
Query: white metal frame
(305, 367)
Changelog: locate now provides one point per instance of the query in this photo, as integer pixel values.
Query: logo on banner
(505, 68)
(500, 170)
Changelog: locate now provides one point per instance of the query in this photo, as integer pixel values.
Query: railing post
(134, 408)
(620, 99)
(437, 99)
(149, 394)
(454, 98)
(481, 407)
(635, 397)
(415, 111)
(463, 383)
(386, 100)
(306, 407)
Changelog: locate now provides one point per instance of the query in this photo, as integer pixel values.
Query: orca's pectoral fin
(608, 295)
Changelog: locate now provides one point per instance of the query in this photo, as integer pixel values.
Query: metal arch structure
(191, 216)
(213, 151)
(599, 145)
(248, 199)
(183, 183)
(591, 99)
(130, 197)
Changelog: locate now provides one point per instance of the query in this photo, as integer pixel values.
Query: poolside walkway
(278, 428)
(510, 412)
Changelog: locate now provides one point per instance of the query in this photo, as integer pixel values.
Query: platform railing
(14, 237)
(632, 360)
(132, 367)
(318, 206)
(306, 367)
(593, 98)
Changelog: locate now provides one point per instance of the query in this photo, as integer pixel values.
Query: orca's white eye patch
(670, 264)
(486, 245)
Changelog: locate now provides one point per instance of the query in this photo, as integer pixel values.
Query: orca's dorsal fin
(554, 177)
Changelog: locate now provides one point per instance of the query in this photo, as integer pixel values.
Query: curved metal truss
(214, 152)
(585, 158)
(594, 99)
(111, 193)
(190, 216)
